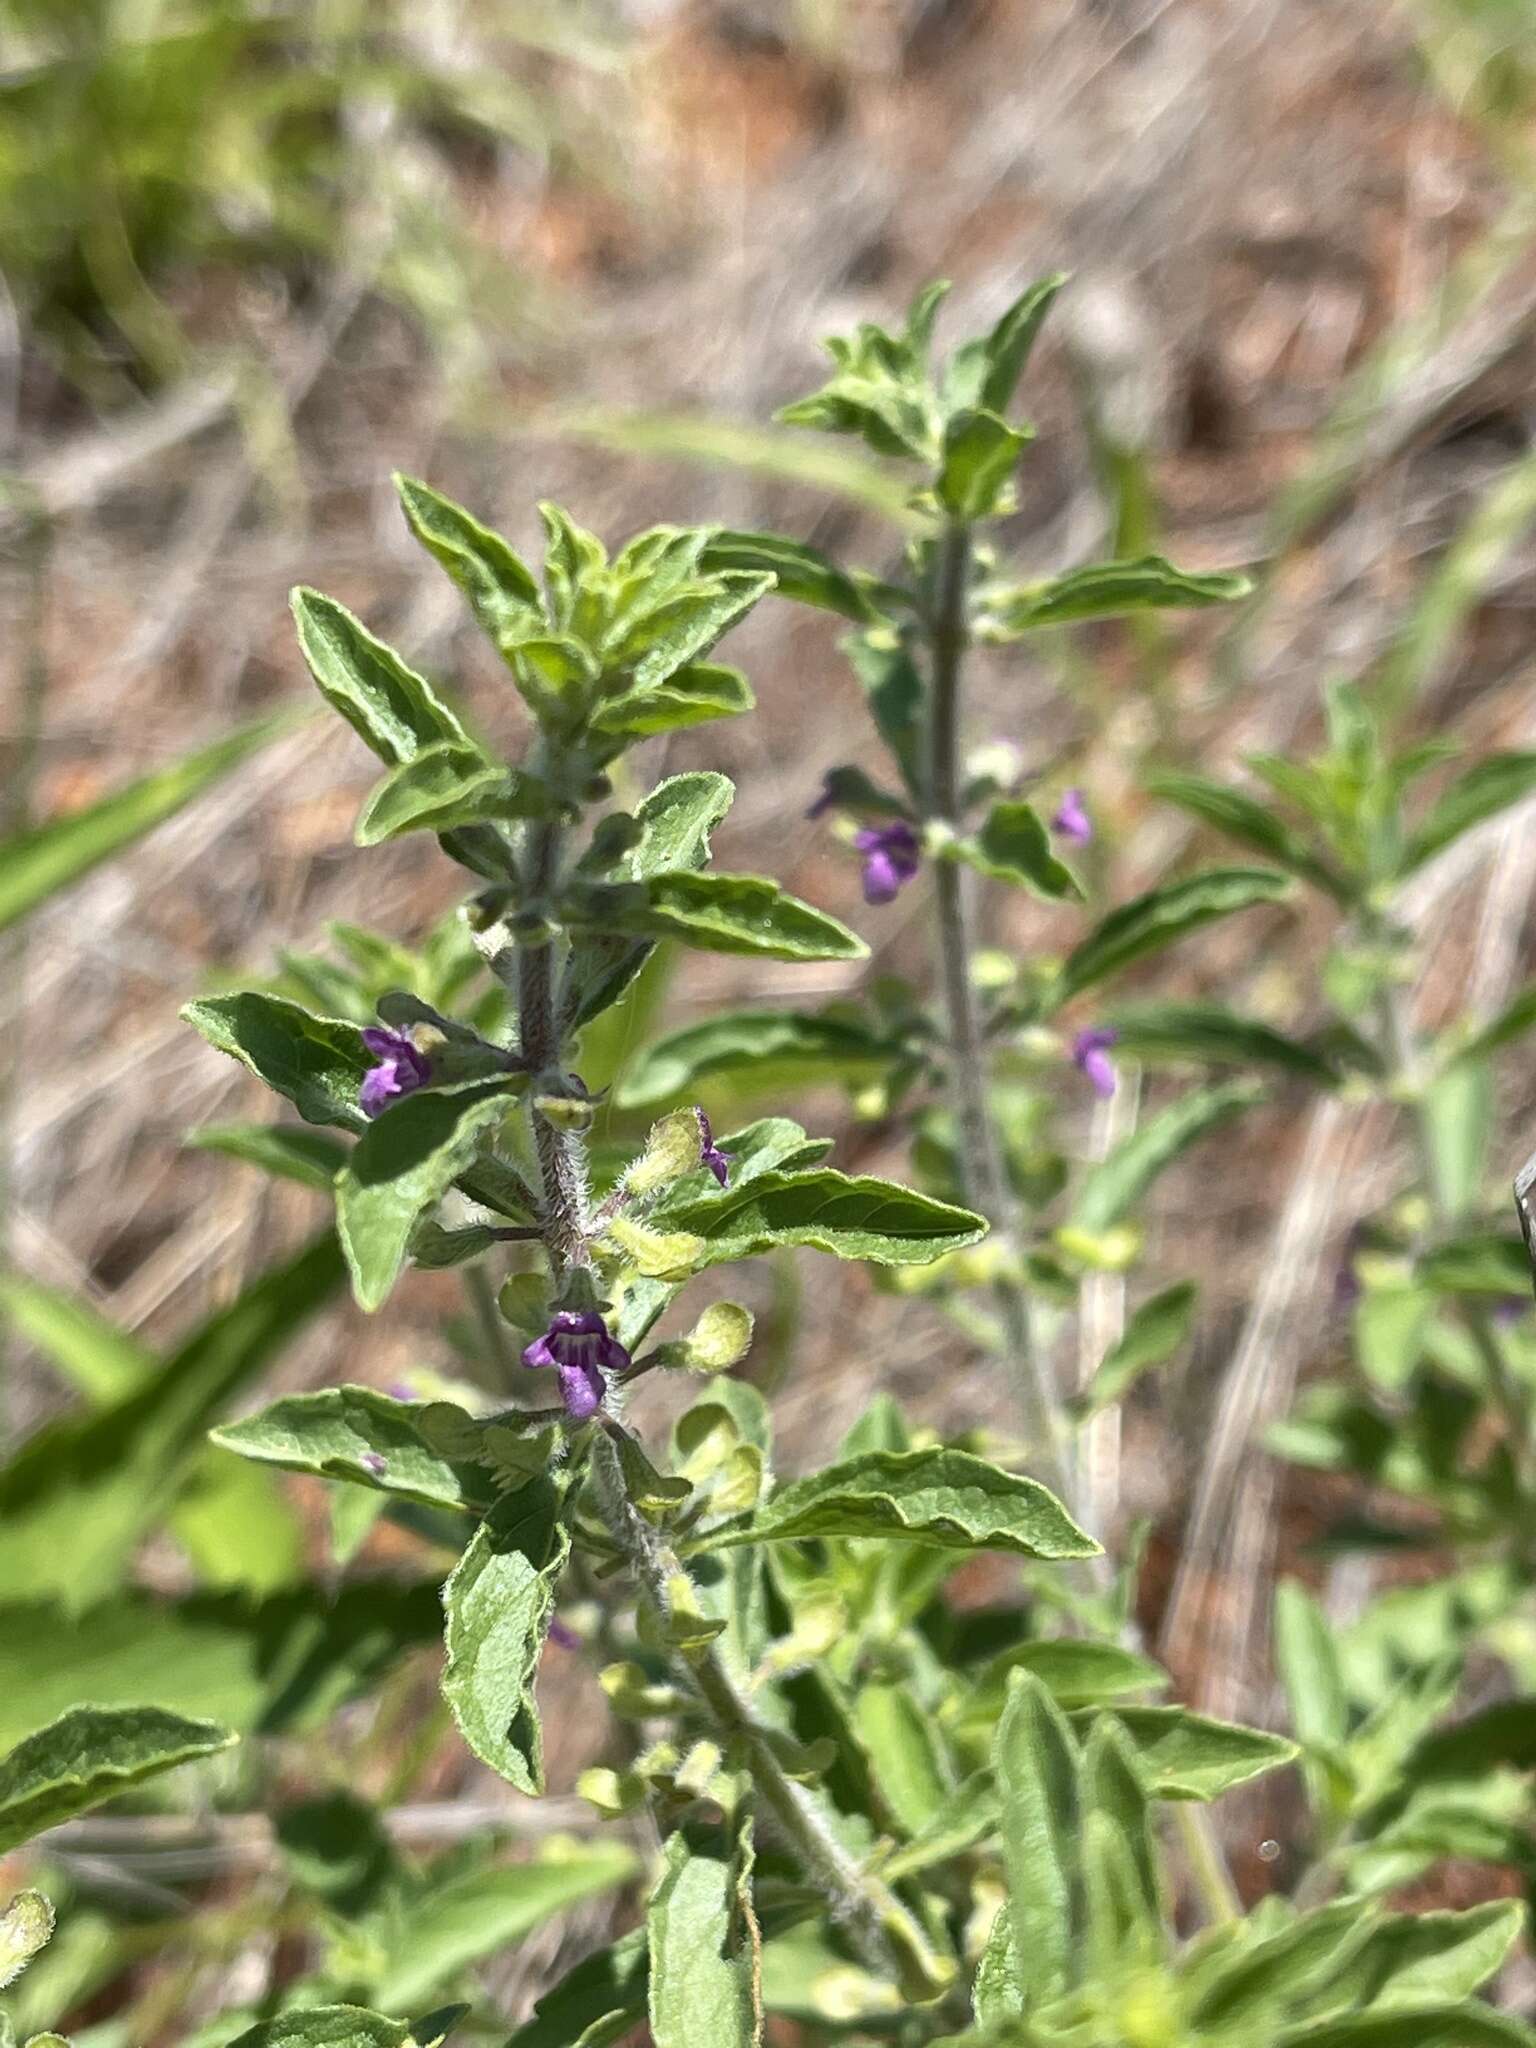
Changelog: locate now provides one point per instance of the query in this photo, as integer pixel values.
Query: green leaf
(309, 1157)
(1426, 2026)
(1154, 1332)
(939, 1496)
(853, 1217)
(342, 1433)
(691, 695)
(317, 1062)
(800, 572)
(903, 1744)
(1216, 1036)
(327, 2026)
(604, 1990)
(501, 590)
(738, 914)
(1110, 590)
(1120, 1180)
(77, 1497)
(498, 1603)
(479, 1913)
(980, 454)
(91, 1754)
(1148, 923)
(443, 787)
(896, 695)
(1418, 1959)
(401, 1168)
(1184, 1755)
(26, 1927)
(1036, 1761)
(1075, 1674)
(685, 626)
(1488, 787)
(746, 1040)
(1251, 823)
(98, 1358)
(1308, 1661)
(1265, 1977)
(37, 864)
(1120, 1876)
(987, 372)
(387, 704)
(1014, 846)
(701, 1979)
(1511, 1024)
(676, 820)
(1456, 1124)
(1482, 1262)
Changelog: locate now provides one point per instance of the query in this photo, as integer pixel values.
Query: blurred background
(253, 257)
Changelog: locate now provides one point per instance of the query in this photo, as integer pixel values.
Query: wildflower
(710, 1153)
(401, 1069)
(1071, 821)
(891, 857)
(578, 1346)
(376, 1465)
(562, 1635)
(1090, 1055)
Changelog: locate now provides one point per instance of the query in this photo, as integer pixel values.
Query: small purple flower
(401, 1069)
(1509, 1308)
(1071, 821)
(374, 1463)
(1090, 1055)
(710, 1153)
(892, 855)
(562, 1635)
(579, 1348)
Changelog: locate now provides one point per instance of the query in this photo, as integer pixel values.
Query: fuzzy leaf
(1110, 590)
(1155, 1331)
(1184, 1755)
(1120, 1180)
(498, 1603)
(1252, 824)
(317, 1062)
(1014, 846)
(981, 452)
(442, 788)
(691, 695)
(1036, 1762)
(327, 2026)
(404, 1164)
(739, 914)
(26, 1927)
(91, 1754)
(701, 1975)
(987, 371)
(37, 864)
(600, 1999)
(746, 1040)
(500, 588)
(852, 1217)
(1410, 1959)
(799, 571)
(1488, 787)
(942, 1497)
(385, 703)
(1209, 1033)
(1148, 923)
(337, 1432)
(309, 1157)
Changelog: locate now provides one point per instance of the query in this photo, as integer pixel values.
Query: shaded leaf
(1014, 846)
(1486, 788)
(1154, 1332)
(1119, 1181)
(91, 1754)
(317, 1062)
(1148, 923)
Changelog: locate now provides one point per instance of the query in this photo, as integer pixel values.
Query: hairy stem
(860, 1904)
(981, 1168)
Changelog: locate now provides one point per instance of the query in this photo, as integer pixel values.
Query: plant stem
(861, 1905)
(981, 1168)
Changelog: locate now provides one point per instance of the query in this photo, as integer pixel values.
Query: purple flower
(1071, 821)
(892, 855)
(562, 1635)
(578, 1346)
(375, 1464)
(1090, 1055)
(710, 1153)
(400, 1070)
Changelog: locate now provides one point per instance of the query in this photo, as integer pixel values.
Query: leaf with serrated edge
(91, 1754)
(339, 1433)
(940, 1496)
(498, 1603)
(853, 1217)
